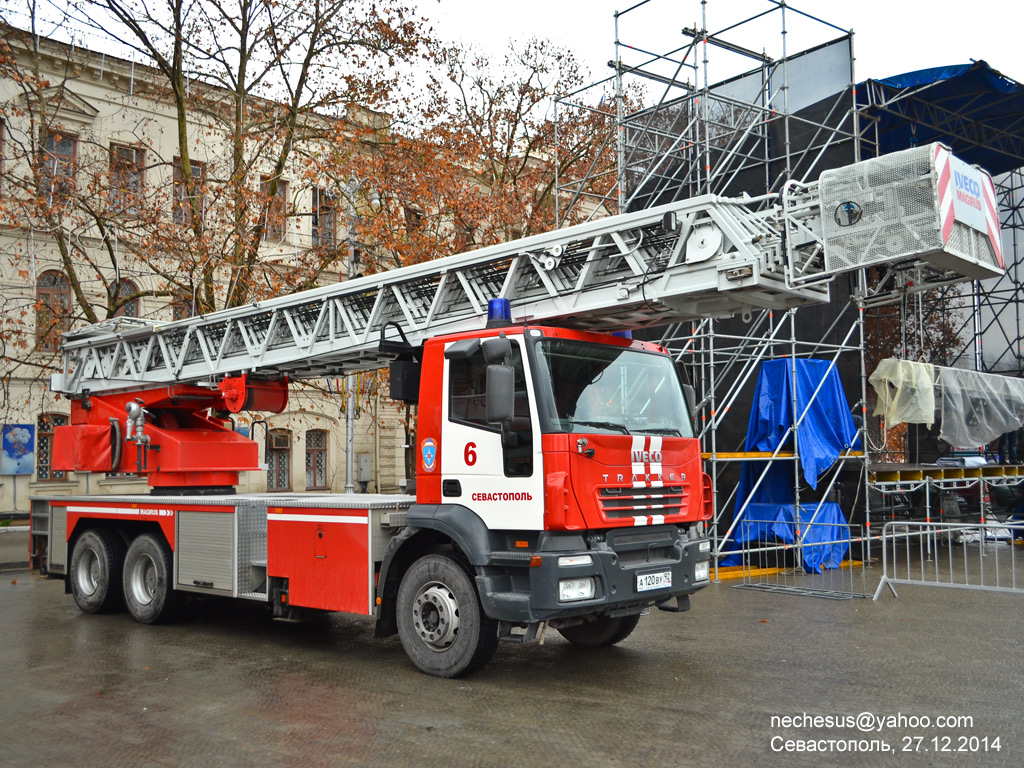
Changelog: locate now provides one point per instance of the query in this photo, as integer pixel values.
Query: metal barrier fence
(959, 555)
(812, 559)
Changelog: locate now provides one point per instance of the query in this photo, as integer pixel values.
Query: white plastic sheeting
(906, 392)
(975, 408)
(978, 407)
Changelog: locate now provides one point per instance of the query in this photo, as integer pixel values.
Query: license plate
(649, 581)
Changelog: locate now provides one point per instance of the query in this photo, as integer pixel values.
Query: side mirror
(496, 349)
(405, 381)
(501, 394)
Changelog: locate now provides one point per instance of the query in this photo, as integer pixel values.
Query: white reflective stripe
(112, 511)
(656, 443)
(638, 442)
(657, 519)
(640, 520)
(317, 519)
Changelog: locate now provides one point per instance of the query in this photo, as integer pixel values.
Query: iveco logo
(647, 457)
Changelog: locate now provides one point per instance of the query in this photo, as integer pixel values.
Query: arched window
(279, 460)
(129, 308)
(53, 304)
(316, 460)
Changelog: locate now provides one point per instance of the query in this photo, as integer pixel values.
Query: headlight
(578, 589)
(700, 571)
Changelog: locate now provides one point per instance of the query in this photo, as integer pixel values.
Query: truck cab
(558, 473)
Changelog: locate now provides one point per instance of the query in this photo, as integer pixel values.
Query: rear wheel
(440, 622)
(147, 580)
(601, 632)
(96, 564)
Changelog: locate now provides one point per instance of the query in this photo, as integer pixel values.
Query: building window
(279, 460)
(53, 303)
(316, 460)
(413, 219)
(130, 308)
(324, 219)
(45, 424)
(181, 307)
(57, 167)
(126, 164)
(180, 198)
(277, 208)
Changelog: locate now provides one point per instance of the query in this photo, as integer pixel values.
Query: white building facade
(89, 169)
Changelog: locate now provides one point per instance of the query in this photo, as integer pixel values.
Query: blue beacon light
(499, 313)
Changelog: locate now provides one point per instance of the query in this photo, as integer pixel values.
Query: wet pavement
(13, 547)
(228, 686)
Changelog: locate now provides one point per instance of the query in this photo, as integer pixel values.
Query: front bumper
(616, 558)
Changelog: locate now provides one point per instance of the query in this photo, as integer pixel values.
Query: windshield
(603, 389)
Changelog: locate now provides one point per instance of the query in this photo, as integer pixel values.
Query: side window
(467, 384)
(467, 404)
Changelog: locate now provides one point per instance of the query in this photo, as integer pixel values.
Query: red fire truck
(558, 478)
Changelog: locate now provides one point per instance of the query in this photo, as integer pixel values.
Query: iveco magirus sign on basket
(922, 204)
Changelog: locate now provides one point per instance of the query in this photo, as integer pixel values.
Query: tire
(440, 622)
(601, 632)
(96, 565)
(147, 581)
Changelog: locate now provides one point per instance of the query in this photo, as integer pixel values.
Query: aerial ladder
(526, 507)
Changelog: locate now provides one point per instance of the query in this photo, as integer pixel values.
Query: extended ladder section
(697, 258)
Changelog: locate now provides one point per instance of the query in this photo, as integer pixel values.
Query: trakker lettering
(620, 478)
(503, 496)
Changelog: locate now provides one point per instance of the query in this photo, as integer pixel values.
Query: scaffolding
(739, 111)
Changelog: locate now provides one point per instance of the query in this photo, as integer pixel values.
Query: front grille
(630, 502)
(650, 555)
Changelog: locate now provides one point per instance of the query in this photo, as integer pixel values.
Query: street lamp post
(351, 189)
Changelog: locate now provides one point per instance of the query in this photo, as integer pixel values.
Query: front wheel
(440, 621)
(96, 563)
(602, 632)
(147, 580)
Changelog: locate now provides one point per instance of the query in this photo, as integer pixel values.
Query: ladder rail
(618, 272)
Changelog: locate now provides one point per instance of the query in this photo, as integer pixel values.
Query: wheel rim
(435, 616)
(142, 579)
(89, 570)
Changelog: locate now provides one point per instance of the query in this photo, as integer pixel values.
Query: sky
(890, 36)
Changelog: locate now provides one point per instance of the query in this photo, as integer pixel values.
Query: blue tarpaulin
(826, 431)
(824, 541)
